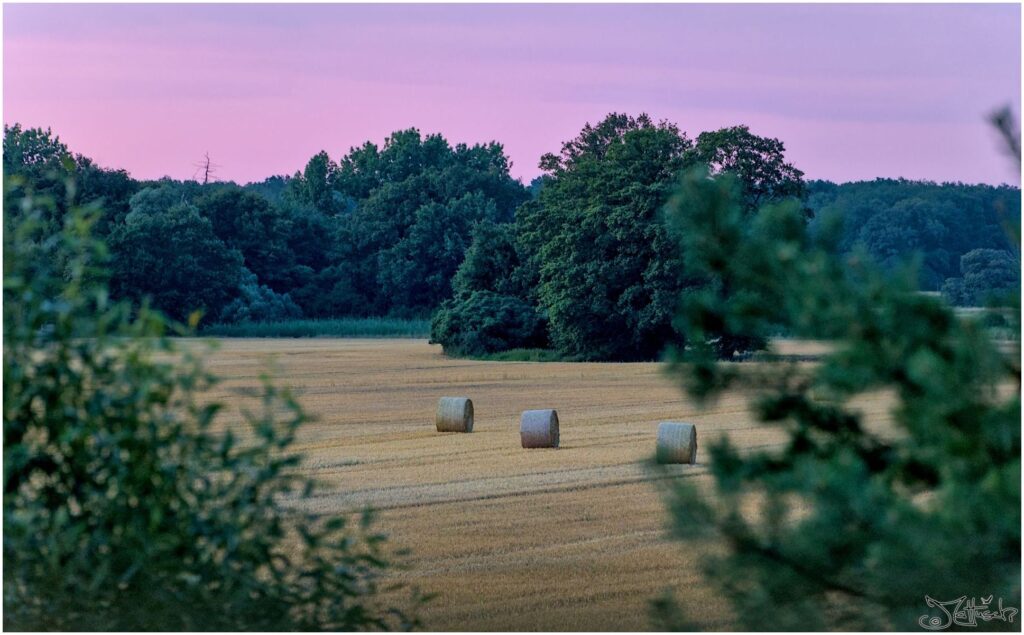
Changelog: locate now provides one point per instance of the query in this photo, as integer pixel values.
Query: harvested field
(510, 539)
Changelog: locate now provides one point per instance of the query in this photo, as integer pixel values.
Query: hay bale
(454, 414)
(539, 429)
(677, 442)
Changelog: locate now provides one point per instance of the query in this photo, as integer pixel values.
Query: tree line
(580, 260)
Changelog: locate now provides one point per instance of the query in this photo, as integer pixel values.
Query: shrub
(486, 322)
(126, 506)
(259, 303)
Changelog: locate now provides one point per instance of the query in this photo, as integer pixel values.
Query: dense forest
(581, 260)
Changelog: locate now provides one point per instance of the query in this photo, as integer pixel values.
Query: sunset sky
(854, 91)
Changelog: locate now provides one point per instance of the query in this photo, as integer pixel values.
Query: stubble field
(572, 538)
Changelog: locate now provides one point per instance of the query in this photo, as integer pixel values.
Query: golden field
(509, 539)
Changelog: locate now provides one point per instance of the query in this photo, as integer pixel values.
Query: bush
(126, 505)
(259, 303)
(486, 322)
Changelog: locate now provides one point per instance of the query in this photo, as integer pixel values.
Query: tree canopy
(168, 252)
(609, 275)
(894, 220)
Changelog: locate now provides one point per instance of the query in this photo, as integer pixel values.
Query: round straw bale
(454, 414)
(677, 442)
(539, 429)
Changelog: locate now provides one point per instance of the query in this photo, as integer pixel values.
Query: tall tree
(988, 276)
(610, 275)
(315, 184)
(413, 204)
(167, 252)
(758, 167)
(758, 163)
(249, 223)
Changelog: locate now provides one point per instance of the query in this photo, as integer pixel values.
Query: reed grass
(338, 327)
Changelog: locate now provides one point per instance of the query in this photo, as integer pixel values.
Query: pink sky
(854, 91)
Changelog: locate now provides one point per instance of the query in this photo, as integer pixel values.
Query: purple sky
(854, 91)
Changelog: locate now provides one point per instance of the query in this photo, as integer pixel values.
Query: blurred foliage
(847, 523)
(126, 505)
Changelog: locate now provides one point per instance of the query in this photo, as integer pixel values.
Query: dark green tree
(38, 163)
(610, 275)
(759, 168)
(167, 252)
(496, 262)
(272, 188)
(315, 184)
(758, 163)
(318, 251)
(413, 205)
(430, 252)
(108, 190)
(249, 223)
(897, 220)
(258, 303)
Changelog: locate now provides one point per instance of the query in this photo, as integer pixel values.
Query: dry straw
(539, 429)
(454, 414)
(677, 442)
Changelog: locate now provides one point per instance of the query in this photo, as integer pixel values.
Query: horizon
(856, 92)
